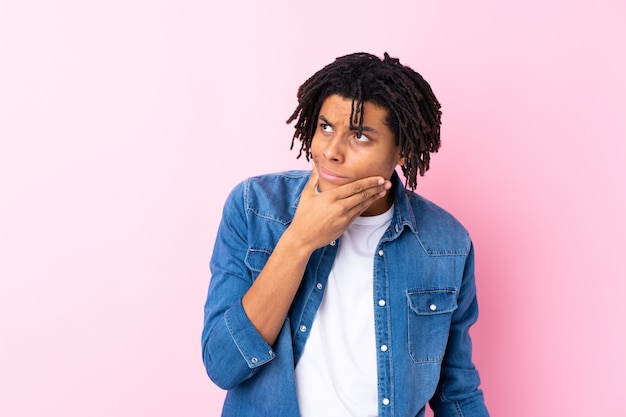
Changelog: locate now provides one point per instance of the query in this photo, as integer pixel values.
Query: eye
(361, 138)
(325, 127)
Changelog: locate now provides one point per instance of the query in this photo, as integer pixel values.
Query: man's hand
(322, 217)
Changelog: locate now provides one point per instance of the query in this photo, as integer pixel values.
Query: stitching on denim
(310, 291)
(241, 350)
(291, 175)
(433, 253)
(458, 409)
(268, 217)
(389, 358)
(422, 317)
(464, 252)
(246, 191)
(228, 326)
(246, 261)
(227, 320)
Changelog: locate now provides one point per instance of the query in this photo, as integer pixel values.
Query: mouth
(330, 175)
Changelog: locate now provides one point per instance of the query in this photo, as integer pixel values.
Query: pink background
(124, 124)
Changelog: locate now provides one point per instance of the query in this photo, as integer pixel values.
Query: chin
(327, 185)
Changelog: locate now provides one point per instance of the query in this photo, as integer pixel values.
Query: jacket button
(381, 303)
(333, 243)
(433, 307)
(383, 348)
(303, 328)
(385, 401)
(381, 252)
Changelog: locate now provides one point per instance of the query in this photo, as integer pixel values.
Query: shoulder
(438, 230)
(273, 196)
(280, 186)
(286, 180)
(273, 184)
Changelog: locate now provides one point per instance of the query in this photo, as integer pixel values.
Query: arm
(458, 393)
(243, 316)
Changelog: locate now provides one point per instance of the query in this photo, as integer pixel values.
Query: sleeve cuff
(253, 348)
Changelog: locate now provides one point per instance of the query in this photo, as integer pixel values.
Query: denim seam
(458, 409)
(391, 394)
(267, 217)
(432, 253)
(243, 354)
(425, 316)
(308, 298)
(258, 250)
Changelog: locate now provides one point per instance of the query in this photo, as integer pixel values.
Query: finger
(364, 187)
(356, 204)
(313, 183)
(363, 199)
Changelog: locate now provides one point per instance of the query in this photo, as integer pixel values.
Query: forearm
(268, 300)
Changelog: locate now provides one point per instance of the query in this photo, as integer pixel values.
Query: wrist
(298, 245)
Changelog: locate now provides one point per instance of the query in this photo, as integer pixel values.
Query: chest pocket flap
(432, 301)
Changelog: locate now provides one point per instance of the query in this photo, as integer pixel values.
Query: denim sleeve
(232, 349)
(458, 393)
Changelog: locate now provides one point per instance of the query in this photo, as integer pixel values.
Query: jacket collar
(402, 209)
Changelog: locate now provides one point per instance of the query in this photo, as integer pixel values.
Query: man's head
(413, 112)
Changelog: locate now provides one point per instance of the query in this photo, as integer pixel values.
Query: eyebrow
(365, 128)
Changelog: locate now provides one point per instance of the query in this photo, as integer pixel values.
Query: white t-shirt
(336, 375)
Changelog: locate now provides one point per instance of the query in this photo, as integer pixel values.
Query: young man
(339, 291)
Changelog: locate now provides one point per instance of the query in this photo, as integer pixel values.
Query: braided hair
(413, 112)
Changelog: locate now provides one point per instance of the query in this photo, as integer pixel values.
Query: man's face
(340, 156)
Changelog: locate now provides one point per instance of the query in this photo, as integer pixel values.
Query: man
(339, 292)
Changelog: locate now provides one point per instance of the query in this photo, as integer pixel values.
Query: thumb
(313, 183)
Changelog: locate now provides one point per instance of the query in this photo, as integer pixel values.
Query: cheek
(313, 147)
(389, 170)
(389, 166)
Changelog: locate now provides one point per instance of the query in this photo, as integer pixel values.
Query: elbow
(223, 380)
(225, 373)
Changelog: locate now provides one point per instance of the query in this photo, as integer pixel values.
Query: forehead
(339, 106)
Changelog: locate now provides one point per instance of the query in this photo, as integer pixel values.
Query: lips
(330, 175)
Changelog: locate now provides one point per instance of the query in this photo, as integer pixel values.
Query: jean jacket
(424, 304)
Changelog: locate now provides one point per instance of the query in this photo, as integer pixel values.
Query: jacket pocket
(256, 260)
(429, 317)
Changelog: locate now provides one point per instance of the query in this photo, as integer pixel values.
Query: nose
(334, 150)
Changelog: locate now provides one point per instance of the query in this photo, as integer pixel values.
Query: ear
(401, 160)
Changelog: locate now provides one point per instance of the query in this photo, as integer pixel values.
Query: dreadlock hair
(413, 112)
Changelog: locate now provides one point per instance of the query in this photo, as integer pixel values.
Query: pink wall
(124, 125)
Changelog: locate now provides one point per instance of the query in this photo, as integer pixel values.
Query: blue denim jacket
(424, 304)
